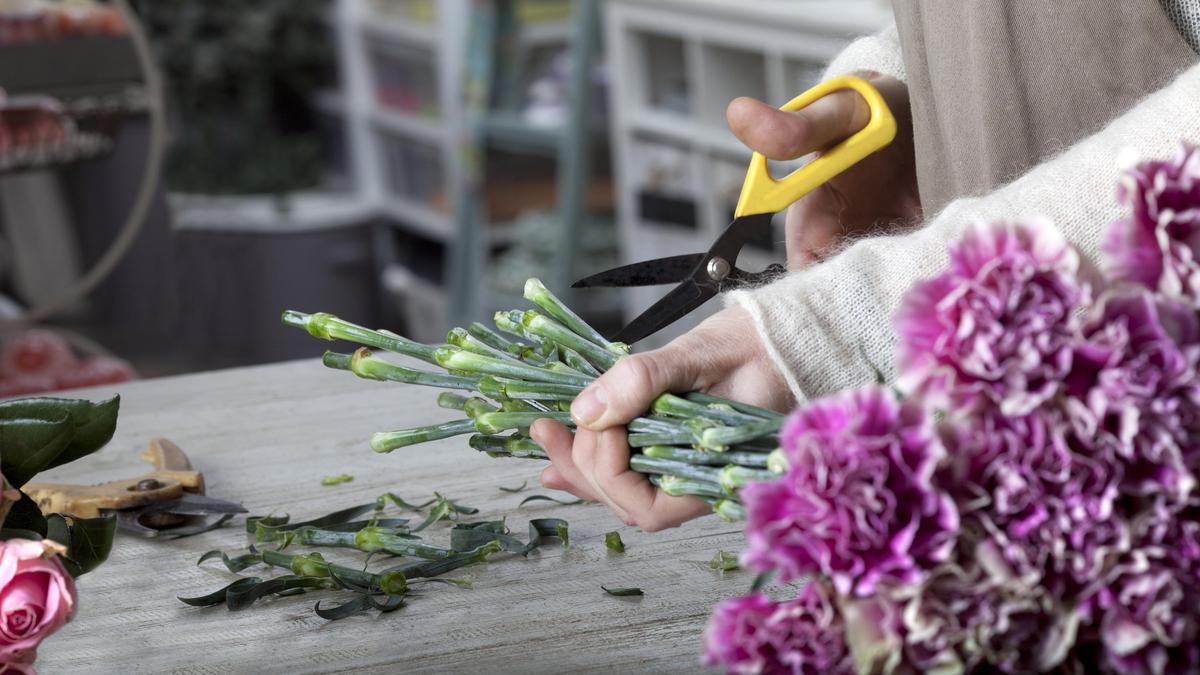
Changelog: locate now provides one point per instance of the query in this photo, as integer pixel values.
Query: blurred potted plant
(240, 78)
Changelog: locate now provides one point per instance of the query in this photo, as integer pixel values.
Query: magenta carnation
(1158, 245)
(996, 327)
(857, 502)
(1048, 507)
(977, 621)
(1145, 604)
(1134, 391)
(755, 635)
(1148, 623)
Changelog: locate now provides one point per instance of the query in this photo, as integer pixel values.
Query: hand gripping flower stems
(533, 366)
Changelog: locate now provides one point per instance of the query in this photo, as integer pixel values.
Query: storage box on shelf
(676, 64)
(404, 77)
(401, 76)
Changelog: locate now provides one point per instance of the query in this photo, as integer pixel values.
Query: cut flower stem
(532, 366)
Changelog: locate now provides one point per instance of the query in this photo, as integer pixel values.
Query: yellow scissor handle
(763, 194)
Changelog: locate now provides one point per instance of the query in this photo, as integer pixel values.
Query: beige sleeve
(878, 53)
(824, 324)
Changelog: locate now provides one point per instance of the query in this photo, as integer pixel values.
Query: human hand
(723, 356)
(878, 191)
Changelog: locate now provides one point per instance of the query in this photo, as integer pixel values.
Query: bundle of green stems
(532, 366)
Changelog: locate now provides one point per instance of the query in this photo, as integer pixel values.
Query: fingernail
(589, 406)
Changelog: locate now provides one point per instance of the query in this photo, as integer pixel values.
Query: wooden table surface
(265, 436)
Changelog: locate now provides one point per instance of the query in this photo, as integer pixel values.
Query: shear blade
(667, 270)
(673, 306)
(199, 505)
(131, 522)
(200, 528)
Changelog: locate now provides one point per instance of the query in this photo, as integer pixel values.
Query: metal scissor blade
(645, 273)
(743, 229)
(682, 299)
(199, 505)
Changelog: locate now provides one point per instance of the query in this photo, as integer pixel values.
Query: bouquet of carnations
(1025, 500)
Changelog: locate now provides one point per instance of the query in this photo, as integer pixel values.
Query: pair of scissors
(701, 276)
(170, 501)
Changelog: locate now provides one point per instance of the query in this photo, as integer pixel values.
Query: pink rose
(37, 596)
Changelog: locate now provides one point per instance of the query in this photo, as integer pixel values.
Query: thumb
(781, 135)
(627, 390)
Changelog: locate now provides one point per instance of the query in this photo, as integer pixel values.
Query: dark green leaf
(25, 515)
(398, 526)
(93, 423)
(31, 446)
(540, 528)
(391, 604)
(234, 565)
(548, 498)
(268, 521)
(218, 597)
(437, 500)
(88, 540)
(623, 592)
(242, 597)
(383, 499)
(335, 518)
(497, 526)
(465, 537)
(346, 609)
(724, 562)
(461, 583)
(613, 541)
(434, 568)
(266, 528)
(519, 488)
(206, 525)
(761, 581)
(440, 511)
(14, 533)
(459, 508)
(358, 586)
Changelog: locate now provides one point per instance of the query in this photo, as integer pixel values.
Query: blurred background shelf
(74, 147)
(406, 163)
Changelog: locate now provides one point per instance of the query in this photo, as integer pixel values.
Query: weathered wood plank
(265, 436)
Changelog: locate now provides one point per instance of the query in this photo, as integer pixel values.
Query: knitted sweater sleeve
(825, 326)
(878, 53)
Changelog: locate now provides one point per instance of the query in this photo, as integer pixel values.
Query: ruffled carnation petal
(1158, 245)
(754, 634)
(858, 502)
(995, 329)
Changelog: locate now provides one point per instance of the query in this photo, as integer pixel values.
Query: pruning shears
(169, 501)
(701, 276)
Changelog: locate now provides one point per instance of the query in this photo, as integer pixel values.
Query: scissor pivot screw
(718, 269)
(146, 485)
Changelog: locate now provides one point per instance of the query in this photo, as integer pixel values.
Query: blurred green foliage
(240, 75)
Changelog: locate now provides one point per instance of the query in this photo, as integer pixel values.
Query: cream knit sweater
(825, 326)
